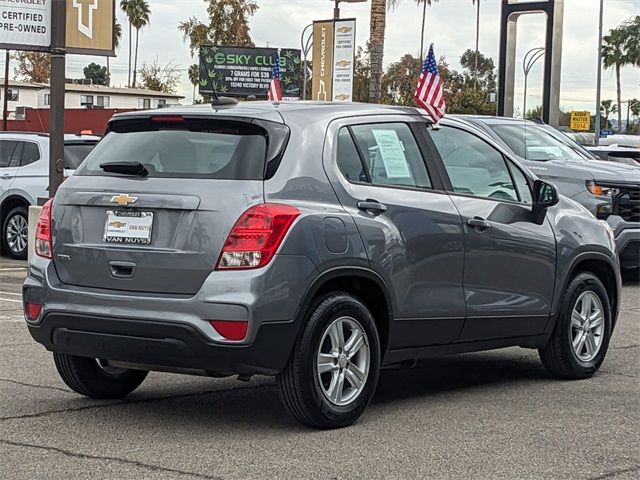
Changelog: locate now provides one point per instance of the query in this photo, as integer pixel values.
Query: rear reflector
(256, 236)
(44, 244)
(32, 311)
(235, 331)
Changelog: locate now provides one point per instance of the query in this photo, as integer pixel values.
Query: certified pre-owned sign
(25, 24)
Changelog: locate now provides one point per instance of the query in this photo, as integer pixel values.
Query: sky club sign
(27, 25)
(239, 71)
(333, 60)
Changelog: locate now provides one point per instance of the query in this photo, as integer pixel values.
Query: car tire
(95, 379)
(15, 233)
(352, 369)
(581, 336)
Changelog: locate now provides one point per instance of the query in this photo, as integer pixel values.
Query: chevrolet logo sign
(117, 224)
(123, 199)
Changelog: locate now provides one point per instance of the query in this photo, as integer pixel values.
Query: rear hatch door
(157, 221)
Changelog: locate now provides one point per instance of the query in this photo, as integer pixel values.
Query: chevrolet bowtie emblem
(123, 199)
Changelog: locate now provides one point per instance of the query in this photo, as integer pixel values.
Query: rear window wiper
(125, 168)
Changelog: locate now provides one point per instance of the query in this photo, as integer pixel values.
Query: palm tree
(194, 78)
(140, 18)
(376, 46)
(125, 6)
(607, 107)
(425, 4)
(117, 37)
(614, 55)
(475, 75)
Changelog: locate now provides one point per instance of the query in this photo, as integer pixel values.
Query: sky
(450, 26)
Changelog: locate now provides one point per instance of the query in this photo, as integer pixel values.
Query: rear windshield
(225, 152)
(74, 154)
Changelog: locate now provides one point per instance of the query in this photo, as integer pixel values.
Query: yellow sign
(580, 121)
(90, 26)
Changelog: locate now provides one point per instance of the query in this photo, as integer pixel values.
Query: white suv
(24, 177)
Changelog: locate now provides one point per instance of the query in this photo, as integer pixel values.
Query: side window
(348, 158)
(474, 167)
(30, 153)
(391, 155)
(522, 184)
(9, 153)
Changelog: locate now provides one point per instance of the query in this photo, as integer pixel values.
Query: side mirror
(545, 195)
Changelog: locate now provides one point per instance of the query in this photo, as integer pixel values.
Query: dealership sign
(25, 24)
(333, 60)
(239, 71)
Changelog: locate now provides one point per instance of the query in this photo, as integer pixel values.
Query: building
(38, 96)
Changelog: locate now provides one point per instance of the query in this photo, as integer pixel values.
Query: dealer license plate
(128, 227)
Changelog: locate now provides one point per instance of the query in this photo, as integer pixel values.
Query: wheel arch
(11, 202)
(603, 267)
(364, 284)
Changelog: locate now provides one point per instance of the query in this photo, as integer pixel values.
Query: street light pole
(5, 106)
(599, 77)
(306, 49)
(336, 10)
(530, 59)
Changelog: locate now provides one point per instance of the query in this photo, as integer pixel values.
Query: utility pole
(5, 107)
(56, 112)
(599, 78)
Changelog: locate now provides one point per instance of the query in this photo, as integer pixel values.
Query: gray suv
(609, 190)
(315, 242)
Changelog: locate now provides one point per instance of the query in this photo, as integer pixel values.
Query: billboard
(333, 60)
(90, 26)
(244, 71)
(25, 26)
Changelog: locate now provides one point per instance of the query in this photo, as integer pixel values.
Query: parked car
(24, 177)
(315, 242)
(617, 153)
(610, 191)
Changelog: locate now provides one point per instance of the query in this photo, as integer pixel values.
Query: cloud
(450, 26)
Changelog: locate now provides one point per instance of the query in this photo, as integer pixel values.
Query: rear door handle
(479, 223)
(372, 206)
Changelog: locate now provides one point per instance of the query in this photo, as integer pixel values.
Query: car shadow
(257, 406)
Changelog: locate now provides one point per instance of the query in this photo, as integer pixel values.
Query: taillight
(44, 245)
(256, 236)
(235, 331)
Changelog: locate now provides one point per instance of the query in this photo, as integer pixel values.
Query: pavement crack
(131, 402)
(24, 384)
(136, 463)
(624, 347)
(620, 374)
(615, 473)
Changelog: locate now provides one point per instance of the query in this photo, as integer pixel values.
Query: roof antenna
(217, 101)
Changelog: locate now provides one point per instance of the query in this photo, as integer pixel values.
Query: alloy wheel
(587, 326)
(343, 361)
(17, 233)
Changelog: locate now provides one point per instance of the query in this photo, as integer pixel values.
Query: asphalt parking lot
(487, 415)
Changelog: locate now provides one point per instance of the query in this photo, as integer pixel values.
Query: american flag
(275, 89)
(430, 94)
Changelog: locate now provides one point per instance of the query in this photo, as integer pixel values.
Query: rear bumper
(163, 344)
(164, 331)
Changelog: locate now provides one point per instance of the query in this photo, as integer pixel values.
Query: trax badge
(123, 199)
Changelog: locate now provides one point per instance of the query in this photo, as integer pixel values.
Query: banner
(344, 50)
(90, 26)
(25, 24)
(240, 71)
(322, 83)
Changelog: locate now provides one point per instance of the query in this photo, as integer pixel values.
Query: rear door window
(390, 154)
(224, 150)
(10, 153)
